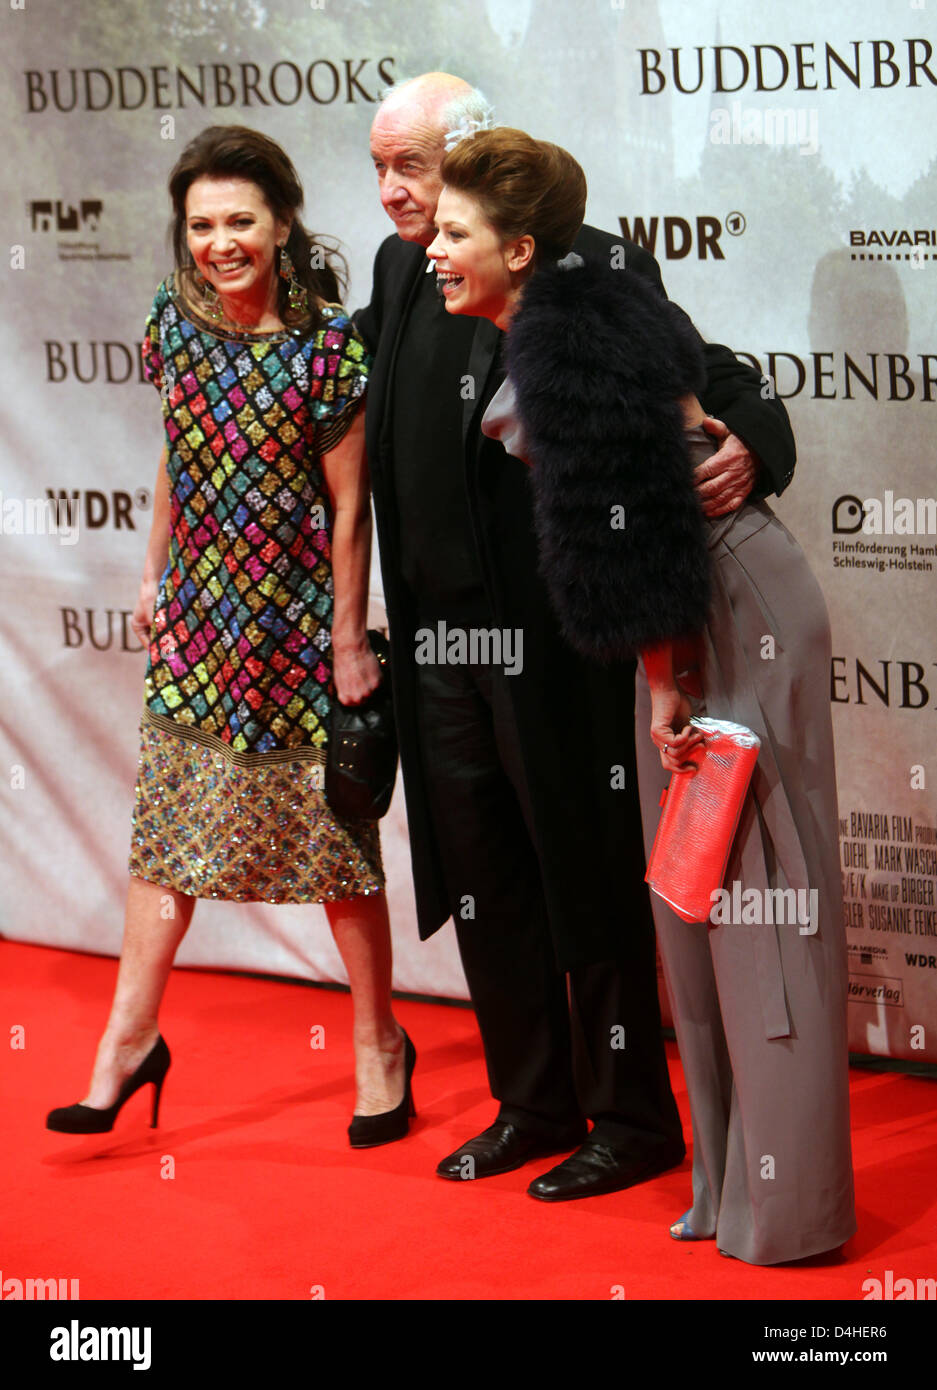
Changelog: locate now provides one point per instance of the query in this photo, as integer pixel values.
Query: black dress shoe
(503, 1147)
(595, 1169)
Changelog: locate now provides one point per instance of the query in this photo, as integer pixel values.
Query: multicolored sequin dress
(229, 796)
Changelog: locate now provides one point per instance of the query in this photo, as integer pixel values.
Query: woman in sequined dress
(253, 607)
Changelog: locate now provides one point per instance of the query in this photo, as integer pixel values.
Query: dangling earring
(297, 294)
(210, 297)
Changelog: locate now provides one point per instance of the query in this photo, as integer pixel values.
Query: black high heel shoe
(87, 1119)
(367, 1131)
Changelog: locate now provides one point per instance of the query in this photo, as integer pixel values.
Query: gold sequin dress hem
(244, 829)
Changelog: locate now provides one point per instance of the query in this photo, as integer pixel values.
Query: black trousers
(556, 1049)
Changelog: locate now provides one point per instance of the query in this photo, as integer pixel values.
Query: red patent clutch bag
(700, 817)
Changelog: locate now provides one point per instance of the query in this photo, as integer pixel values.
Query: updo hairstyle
(525, 187)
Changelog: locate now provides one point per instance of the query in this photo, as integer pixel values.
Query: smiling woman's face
(472, 260)
(233, 236)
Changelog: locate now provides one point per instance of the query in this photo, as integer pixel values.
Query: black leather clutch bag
(361, 758)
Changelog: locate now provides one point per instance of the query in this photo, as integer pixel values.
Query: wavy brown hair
(526, 187)
(236, 151)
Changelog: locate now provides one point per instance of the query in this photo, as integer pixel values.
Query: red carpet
(269, 1202)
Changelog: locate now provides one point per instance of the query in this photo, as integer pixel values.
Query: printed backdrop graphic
(780, 163)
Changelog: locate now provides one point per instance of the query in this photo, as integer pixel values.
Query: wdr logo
(678, 235)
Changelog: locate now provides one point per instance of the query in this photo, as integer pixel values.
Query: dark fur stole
(598, 360)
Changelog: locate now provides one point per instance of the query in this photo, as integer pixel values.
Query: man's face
(407, 150)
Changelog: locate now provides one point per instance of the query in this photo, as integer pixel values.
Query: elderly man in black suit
(520, 780)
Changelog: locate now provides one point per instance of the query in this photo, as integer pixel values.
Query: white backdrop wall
(781, 161)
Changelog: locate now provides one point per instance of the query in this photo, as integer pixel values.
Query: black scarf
(598, 361)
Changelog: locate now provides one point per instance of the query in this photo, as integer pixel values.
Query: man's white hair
(469, 110)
